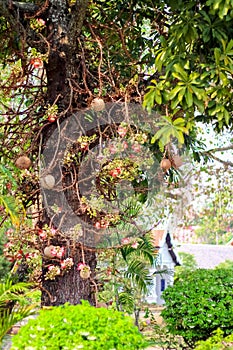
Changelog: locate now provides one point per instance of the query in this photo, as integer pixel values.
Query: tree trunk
(70, 287)
(64, 26)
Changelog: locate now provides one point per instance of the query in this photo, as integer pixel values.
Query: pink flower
(115, 172)
(53, 231)
(81, 266)
(67, 263)
(63, 264)
(136, 147)
(29, 256)
(36, 62)
(53, 251)
(9, 231)
(125, 241)
(42, 234)
(125, 144)
(41, 21)
(51, 267)
(60, 252)
(84, 146)
(8, 245)
(112, 149)
(122, 131)
(19, 255)
(135, 245)
(104, 224)
(98, 225)
(109, 271)
(10, 258)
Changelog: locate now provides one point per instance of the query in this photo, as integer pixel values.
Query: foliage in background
(227, 264)
(213, 191)
(79, 327)
(199, 303)
(188, 265)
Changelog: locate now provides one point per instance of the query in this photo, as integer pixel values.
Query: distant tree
(188, 264)
(227, 264)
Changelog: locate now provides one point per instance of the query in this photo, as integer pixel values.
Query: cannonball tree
(69, 71)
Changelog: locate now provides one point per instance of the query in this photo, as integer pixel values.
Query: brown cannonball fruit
(85, 274)
(47, 181)
(165, 164)
(48, 251)
(23, 162)
(98, 104)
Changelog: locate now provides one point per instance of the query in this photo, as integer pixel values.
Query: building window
(162, 284)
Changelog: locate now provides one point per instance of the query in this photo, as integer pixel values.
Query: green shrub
(71, 327)
(199, 303)
(216, 342)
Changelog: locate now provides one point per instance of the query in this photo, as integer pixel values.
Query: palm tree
(129, 274)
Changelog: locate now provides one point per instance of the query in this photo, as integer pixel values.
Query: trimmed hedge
(71, 327)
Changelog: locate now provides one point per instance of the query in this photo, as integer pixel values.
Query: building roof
(159, 238)
(208, 255)
(230, 242)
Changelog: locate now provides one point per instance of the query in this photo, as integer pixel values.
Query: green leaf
(12, 208)
(149, 98)
(182, 74)
(217, 55)
(189, 97)
(200, 93)
(160, 59)
(181, 94)
(158, 97)
(179, 121)
(175, 91)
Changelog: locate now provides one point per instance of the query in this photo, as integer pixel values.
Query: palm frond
(145, 251)
(126, 299)
(10, 317)
(139, 274)
(13, 292)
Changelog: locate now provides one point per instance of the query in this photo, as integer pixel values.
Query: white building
(163, 273)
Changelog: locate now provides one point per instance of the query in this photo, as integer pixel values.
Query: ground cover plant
(79, 327)
(217, 342)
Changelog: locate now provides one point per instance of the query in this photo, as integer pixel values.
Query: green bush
(71, 327)
(199, 303)
(216, 342)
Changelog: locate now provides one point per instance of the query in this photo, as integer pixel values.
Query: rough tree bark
(64, 25)
(64, 22)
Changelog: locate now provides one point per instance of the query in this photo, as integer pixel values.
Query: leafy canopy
(192, 74)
